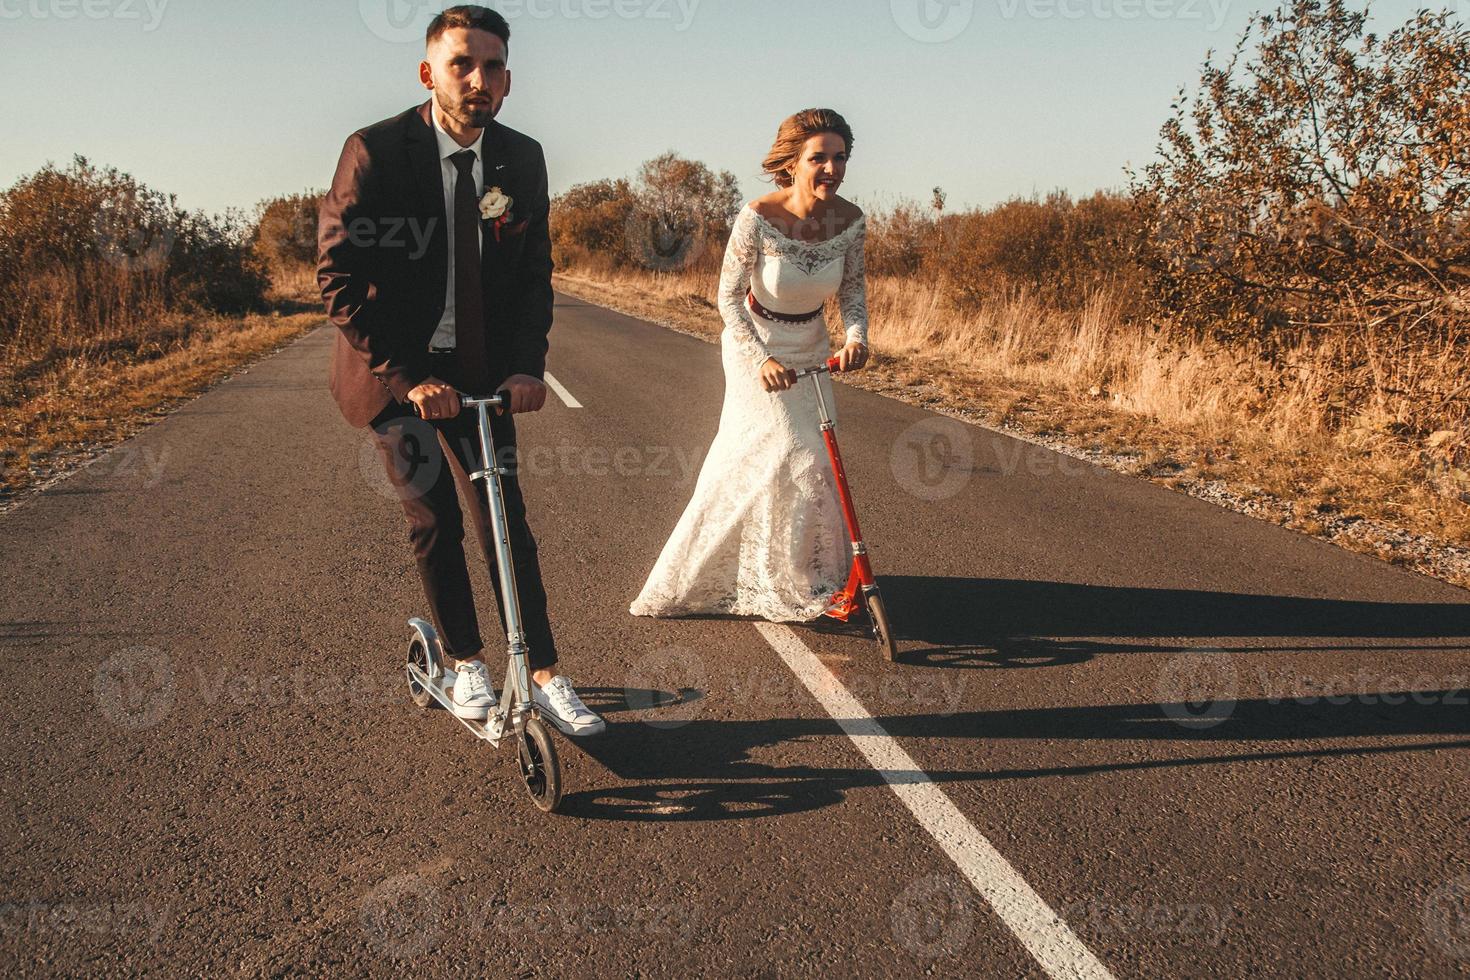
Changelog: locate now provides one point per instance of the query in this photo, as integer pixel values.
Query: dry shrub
(284, 241)
(674, 217)
(93, 263)
(1319, 186)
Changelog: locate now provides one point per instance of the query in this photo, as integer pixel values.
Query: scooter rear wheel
(878, 618)
(418, 656)
(539, 766)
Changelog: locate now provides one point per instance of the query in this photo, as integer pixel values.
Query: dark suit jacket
(383, 254)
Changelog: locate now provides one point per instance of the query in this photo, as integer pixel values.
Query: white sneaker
(560, 705)
(471, 695)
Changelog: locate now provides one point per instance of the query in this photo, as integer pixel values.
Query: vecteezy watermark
(628, 462)
(1447, 917)
(138, 687)
(35, 919)
(1198, 689)
(1365, 686)
(404, 21)
(135, 687)
(416, 465)
(390, 232)
(934, 916)
(1118, 10)
(402, 917)
(673, 684)
(1204, 922)
(677, 920)
(150, 12)
(679, 13)
(936, 458)
(932, 21)
(302, 685)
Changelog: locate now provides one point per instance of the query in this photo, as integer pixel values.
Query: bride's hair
(792, 136)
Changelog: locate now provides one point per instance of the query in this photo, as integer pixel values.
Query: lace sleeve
(852, 294)
(739, 265)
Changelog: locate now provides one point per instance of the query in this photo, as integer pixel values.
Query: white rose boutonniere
(495, 206)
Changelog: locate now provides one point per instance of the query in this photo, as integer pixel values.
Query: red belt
(780, 317)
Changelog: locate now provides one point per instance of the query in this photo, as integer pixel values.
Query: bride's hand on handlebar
(775, 376)
(852, 357)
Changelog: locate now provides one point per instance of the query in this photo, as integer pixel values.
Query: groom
(435, 265)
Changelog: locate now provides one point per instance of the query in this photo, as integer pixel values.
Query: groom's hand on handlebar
(775, 376)
(435, 400)
(527, 394)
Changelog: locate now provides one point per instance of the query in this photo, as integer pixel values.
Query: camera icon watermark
(665, 241)
(399, 21)
(934, 916)
(134, 688)
(407, 466)
(670, 684)
(1198, 690)
(129, 238)
(401, 917)
(933, 459)
(1447, 917)
(932, 21)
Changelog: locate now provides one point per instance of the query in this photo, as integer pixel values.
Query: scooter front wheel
(418, 656)
(539, 766)
(878, 619)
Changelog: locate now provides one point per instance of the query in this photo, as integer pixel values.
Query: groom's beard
(471, 116)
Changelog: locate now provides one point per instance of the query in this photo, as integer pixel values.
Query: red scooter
(861, 590)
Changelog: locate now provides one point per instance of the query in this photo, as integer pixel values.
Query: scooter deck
(491, 730)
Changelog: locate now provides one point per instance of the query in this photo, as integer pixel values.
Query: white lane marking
(1050, 940)
(561, 392)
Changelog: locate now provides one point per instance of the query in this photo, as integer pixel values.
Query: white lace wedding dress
(763, 534)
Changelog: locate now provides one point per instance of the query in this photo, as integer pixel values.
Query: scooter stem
(862, 572)
(509, 593)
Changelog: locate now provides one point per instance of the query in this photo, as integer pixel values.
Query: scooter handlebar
(469, 402)
(832, 366)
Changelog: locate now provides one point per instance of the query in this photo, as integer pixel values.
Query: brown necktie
(469, 298)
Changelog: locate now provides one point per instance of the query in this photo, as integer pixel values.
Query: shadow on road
(687, 765)
(692, 768)
(969, 622)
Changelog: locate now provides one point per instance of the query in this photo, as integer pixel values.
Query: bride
(763, 534)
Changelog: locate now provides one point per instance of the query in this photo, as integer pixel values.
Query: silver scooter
(516, 712)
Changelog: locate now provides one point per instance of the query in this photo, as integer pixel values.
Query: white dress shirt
(444, 334)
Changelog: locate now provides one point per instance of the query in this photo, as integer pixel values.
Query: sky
(225, 103)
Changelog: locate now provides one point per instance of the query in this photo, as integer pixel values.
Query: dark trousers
(424, 459)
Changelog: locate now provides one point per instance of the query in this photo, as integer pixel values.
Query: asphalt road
(1131, 733)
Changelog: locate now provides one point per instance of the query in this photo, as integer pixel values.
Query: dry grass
(1179, 410)
(60, 406)
(1282, 424)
